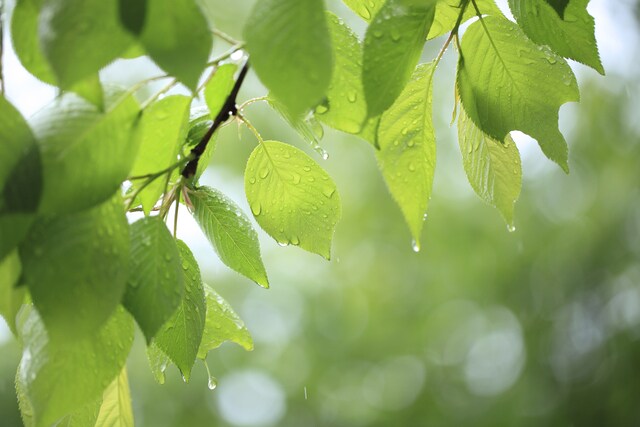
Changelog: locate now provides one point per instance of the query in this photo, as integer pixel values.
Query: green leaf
(572, 37)
(407, 155)
(24, 34)
(79, 37)
(11, 296)
(367, 9)
(155, 286)
(506, 82)
(180, 337)
(162, 130)
(559, 6)
(75, 267)
(56, 380)
(230, 232)
(306, 126)
(177, 37)
(222, 324)
(116, 408)
(86, 154)
(293, 199)
(158, 362)
(219, 87)
(82, 417)
(493, 168)
(447, 12)
(290, 48)
(133, 14)
(345, 108)
(20, 177)
(392, 47)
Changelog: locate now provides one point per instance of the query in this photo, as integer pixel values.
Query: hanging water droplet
(511, 228)
(283, 244)
(324, 154)
(295, 240)
(415, 245)
(212, 383)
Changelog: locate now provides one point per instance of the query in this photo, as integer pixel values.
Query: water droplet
(395, 35)
(411, 143)
(212, 383)
(283, 244)
(264, 173)
(415, 245)
(352, 96)
(321, 109)
(252, 180)
(328, 191)
(324, 154)
(405, 131)
(295, 240)
(511, 228)
(256, 208)
(377, 34)
(424, 217)
(296, 178)
(412, 167)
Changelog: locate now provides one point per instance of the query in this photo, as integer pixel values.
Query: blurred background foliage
(481, 328)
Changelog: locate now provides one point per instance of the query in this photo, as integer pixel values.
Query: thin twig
(224, 36)
(228, 109)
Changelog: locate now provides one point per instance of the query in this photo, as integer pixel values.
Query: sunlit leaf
(162, 130)
(392, 47)
(290, 49)
(367, 9)
(572, 36)
(75, 267)
(493, 168)
(293, 199)
(230, 232)
(155, 287)
(407, 154)
(116, 408)
(506, 82)
(180, 337)
(222, 324)
(219, 87)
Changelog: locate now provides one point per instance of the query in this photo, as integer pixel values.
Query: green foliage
(230, 232)
(290, 48)
(507, 82)
(155, 287)
(291, 197)
(73, 175)
(392, 47)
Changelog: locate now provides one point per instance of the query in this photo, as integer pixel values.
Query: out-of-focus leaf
(57, 380)
(447, 12)
(79, 37)
(86, 154)
(290, 49)
(116, 408)
(155, 287)
(11, 296)
(75, 267)
(177, 37)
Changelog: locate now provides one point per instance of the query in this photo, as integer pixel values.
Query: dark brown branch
(229, 109)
